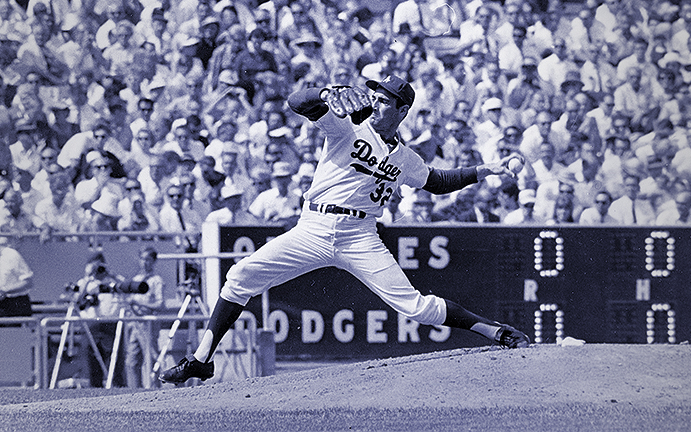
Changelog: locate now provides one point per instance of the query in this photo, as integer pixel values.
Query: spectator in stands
(511, 55)
(59, 212)
(599, 75)
(207, 179)
(680, 214)
(630, 209)
(278, 204)
(521, 90)
(141, 151)
(145, 110)
(392, 211)
(512, 16)
(182, 143)
(599, 213)
(477, 32)
(603, 115)
(189, 185)
(481, 212)
(231, 212)
(16, 280)
(546, 168)
(639, 60)
(553, 68)
(175, 217)
(73, 154)
(524, 214)
(22, 183)
(99, 180)
(636, 101)
(548, 193)
(14, 217)
(209, 31)
(139, 343)
(281, 148)
(507, 198)
(62, 128)
(260, 177)
(38, 56)
(102, 214)
(120, 55)
(189, 100)
(26, 153)
(252, 61)
(136, 213)
(232, 170)
(154, 180)
(563, 211)
(536, 134)
(490, 130)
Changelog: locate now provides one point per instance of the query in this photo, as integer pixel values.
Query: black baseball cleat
(511, 338)
(188, 367)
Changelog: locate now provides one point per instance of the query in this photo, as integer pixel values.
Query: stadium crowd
(148, 115)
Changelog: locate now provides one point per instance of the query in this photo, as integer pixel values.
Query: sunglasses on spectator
(133, 187)
(101, 167)
(177, 195)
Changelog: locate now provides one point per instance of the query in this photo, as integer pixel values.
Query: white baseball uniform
(357, 174)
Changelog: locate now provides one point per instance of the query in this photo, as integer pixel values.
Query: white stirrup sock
(487, 330)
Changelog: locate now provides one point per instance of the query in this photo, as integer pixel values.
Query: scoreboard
(602, 284)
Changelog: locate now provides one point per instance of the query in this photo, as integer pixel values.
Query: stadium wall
(603, 285)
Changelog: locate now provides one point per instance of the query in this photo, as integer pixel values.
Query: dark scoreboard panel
(603, 285)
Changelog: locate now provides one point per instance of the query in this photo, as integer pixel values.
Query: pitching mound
(541, 388)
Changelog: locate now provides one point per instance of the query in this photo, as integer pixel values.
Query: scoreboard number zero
(548, 253)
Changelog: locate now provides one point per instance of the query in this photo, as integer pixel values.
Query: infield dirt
(541, 388)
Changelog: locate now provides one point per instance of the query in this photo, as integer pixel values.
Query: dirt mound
(544, 387)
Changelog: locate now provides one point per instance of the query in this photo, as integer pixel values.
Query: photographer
(139, 348)
(93, 302)
(16, 279)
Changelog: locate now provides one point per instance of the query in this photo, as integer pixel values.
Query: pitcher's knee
(430, 311)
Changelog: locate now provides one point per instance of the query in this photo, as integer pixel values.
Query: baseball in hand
(515, 165)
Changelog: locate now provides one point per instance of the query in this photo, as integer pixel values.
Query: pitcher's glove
(346, 100)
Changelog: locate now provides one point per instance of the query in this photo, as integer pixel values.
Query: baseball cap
(396, 86)
(228, 191)
(491, 104)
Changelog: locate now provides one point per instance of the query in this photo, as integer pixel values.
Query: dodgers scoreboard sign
(600, 284)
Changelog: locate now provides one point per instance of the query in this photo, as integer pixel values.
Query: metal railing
(45, 374)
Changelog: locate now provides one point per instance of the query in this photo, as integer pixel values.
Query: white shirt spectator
(623, 211)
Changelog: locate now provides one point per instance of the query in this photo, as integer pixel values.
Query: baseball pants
(343, 241)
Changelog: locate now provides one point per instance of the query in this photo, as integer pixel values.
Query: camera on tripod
(125, 287)
(111, 287)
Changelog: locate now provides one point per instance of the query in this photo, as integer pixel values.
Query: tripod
(192, 299)
(67, 330)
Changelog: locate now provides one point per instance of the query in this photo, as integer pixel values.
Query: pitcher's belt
(332, 208)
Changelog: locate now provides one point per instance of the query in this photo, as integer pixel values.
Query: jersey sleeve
(416, 170)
